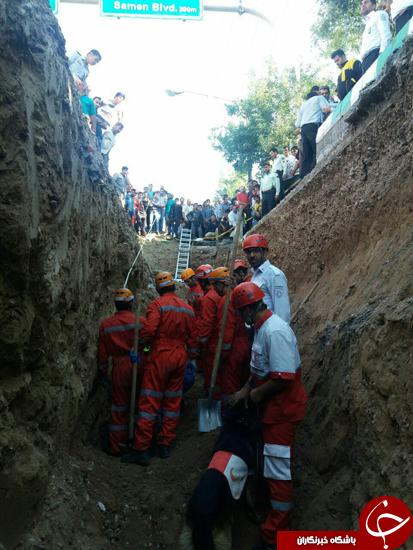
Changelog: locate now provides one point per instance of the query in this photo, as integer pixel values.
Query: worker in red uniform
(241, 272)
(207, 329)
(201, 275)
(116, 336)
(196, 293)
(236, 347)
(167, 328)
(275, 387)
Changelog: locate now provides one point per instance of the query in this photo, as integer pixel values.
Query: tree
(265, 118)
(228, 185)
(339, 25)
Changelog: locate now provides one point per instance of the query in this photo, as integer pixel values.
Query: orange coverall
(236, 352)
(167, 327)
(207, 332)
(116, 334)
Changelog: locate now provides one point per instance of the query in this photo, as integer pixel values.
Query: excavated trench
(66, 243)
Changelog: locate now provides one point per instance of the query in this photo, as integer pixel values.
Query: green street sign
(54, 4)
(166, 9)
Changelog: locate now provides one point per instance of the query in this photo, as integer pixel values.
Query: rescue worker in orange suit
(207, 330)
(116, 335)
(201, 275)
(241, 272)
(167, 328)
(236, 347)
(275, 387)
(196, 293)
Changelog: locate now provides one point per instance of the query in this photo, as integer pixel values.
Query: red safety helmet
(240, 263)
(203, 271)
(255, 241)
(246, 294)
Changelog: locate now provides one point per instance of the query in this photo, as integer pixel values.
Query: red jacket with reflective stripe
(168, 322)
(116, 334)
(236, 336)
(208, 321)
(195, 298)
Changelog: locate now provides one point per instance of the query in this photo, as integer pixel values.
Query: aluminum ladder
(184, 250)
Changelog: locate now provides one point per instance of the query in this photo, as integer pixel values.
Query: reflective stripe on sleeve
(118, 427)
(178, 309)
(147, 416)
(281, 506)
(121, 328)
(171, 414)
(277, 462)
(173, 393)
(151, 393)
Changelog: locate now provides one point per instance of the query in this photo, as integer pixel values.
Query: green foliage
(265, 118)
(339, 25)
(228, 185)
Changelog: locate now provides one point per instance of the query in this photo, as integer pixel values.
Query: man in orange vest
(201, 275)
(196, 293)
(207, 330)
(275, 387)
(167, 328)
(116, 336)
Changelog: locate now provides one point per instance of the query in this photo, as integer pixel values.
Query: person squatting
(259, 369)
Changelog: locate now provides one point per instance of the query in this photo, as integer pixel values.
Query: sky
(166, 139)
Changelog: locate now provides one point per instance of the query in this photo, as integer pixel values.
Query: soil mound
(349, 227)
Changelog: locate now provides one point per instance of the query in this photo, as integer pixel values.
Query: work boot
(164, 451)
(137, 457)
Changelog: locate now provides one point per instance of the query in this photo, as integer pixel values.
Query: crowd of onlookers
(380, 25)
(159, 212)
(105, 117)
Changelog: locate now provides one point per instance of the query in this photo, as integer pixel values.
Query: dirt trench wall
(64, 245)
(349, 226)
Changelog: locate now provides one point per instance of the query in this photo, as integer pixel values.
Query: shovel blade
(209, 415)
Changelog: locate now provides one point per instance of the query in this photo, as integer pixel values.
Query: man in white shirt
(401, 12)
(278, 167)
(108, 141)
(308, 121)
(110, 111)
(268, 189)
(376, 34)
(79, 66)
(269, 278)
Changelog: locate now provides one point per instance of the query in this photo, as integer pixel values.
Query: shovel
(209, 410)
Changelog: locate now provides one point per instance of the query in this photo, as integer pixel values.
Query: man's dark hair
(311, 94)
(315, 88)
(123, 306)
(120, 94)
(274, 149)
(96, 54)
(125, 168)
(97, 97)
(119, 125)
(165, 290)
(325, 88)
(339, 52)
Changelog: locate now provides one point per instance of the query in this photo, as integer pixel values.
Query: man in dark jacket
(350, 72)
